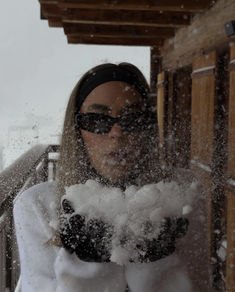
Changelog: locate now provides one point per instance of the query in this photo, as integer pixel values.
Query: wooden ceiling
(121, 22)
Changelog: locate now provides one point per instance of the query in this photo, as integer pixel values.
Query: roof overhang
(121, 22)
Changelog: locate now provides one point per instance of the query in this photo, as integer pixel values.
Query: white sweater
(49, 268)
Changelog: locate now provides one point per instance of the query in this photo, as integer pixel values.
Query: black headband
(106, 74)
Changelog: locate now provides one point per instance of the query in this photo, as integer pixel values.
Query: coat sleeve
(48, 268)
(74, 275)
(32, 233)
(187, 269)
(166, 275)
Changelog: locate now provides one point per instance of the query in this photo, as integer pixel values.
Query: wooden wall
(174, 116)
(204, 151)
(179, 123)
(206, 32)
(196, 108)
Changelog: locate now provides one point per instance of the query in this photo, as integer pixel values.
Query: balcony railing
(35, 166)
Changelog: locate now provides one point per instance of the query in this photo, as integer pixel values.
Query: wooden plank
(154, 5)
(122, 37)
(207, 152)
(50, 10)
(231, 121)
(161, 114)
(203, 104)
(202, 132)
(55, 22)
(123, 23)
(103, 40)
(205, 62)
(202, 143)
(116, 30)
(181, 116)
(204, 177)
(232, 51)
(49, 2)
(140, 18)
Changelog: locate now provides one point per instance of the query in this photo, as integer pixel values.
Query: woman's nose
(116, 131)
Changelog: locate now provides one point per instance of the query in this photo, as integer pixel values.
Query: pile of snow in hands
(129, 211)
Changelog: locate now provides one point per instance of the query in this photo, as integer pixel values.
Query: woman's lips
(118, 155)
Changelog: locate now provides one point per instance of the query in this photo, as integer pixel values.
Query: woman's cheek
(93, 143)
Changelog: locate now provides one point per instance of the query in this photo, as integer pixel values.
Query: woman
(110, 136)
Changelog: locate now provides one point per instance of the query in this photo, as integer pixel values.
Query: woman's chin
(116, 173)
(114, 168)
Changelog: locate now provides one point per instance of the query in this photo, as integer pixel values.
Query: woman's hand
(90, 240)
(151, 250)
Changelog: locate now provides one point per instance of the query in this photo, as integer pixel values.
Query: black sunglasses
(102, 124)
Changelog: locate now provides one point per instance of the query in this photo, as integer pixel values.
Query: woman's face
(114, 154)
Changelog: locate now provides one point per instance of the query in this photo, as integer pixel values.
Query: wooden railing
(35, 166)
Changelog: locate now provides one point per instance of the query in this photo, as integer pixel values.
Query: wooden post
(162, 114)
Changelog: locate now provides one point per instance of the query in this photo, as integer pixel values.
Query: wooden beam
(112, 37)
(103, 40)
(42, 16)
(153, 5)
(117, 30)
(150, 18)
(51, 10)
(54, 22)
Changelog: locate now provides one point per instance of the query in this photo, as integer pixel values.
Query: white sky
(38, 69)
